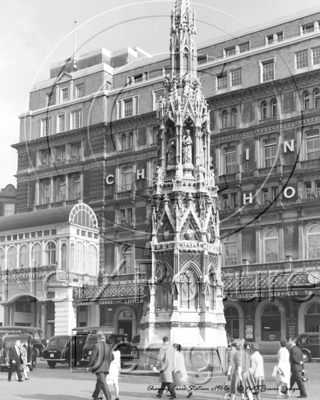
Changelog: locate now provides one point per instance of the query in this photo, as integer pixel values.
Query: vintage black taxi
(64, 349)
(39, 341)
(9, 341)
(128, 351)
(310, 345)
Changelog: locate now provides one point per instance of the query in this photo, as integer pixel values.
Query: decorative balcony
(311, 111)
(228, 129)
(267, 120)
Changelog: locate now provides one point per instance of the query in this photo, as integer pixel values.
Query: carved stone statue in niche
(187, 148)
(201, 152)
(171, 150)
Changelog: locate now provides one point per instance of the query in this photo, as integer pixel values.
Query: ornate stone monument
(186, 299)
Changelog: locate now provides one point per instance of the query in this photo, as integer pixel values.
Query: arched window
(234, 117)
(36, 255)
(2, 259)
(316, 98)
(264, 113)
(270, 245)
(131, 141)
(127, 267)
(230, 250)
(24, 256)
(274, 108)
(64, 256)
(51, 253)
(80, 257)
(271, 324)
(306, 100)
(312, 318)
(232, 319)
(12, 257)
(124, 142)
(72, 257)
(92, 260)
(224, 119)
(313, 242)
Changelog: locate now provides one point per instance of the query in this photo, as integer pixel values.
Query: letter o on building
(110, 180)
(289, 192)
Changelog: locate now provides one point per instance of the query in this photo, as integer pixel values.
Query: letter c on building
(110, 180)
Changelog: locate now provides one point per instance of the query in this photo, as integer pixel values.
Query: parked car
(64, 349)
(39, 341)
(9, 341)
(310, 345)
(128, 351)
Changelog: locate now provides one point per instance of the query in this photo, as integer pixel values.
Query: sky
(36, 33)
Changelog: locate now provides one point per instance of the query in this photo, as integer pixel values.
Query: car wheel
(51, 364)
(36, 352)
(305, 357)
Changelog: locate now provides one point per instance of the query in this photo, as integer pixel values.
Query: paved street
(61, 384)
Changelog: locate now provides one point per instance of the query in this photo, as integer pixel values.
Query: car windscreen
(10, 341)
(91, 341)
(58, 341)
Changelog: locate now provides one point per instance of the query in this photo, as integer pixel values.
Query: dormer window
(64, 94)
(231, 51)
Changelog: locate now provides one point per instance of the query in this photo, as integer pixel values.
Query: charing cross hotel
(76, 251)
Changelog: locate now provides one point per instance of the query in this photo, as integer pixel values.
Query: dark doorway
(125, 327)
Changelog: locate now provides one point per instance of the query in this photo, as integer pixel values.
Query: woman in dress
(179, 374)
(24, 357)
(283, 370)
(257, 369)
(113, 376)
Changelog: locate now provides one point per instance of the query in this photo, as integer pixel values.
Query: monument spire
(185, 285)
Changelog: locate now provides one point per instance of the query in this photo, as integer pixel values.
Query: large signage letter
(110, 180)
(140, 174)
(288, 146)
(289, 192)
(248, 197)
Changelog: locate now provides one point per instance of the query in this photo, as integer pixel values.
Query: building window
(269, 39)
(222, 81)
(234, 116)
(131, 140)
(313, 242)
(225, 119)
(92, 260)
(64, 94)
(316, 98)
(265, 195)
(307, 28)
(313, 145)
(23, 306)
(312, 321)
(264, 110)
(12, 258)
(8, 209)
(236, 77)
(24, 256)
(280, 36)
(230, 250)
(306, 101)
(267, 69)
(45, 192)
(230, 52)
(124, 142)
(157, 94)
(316, 56)
(46, 126)
(2, 259)
(270, 246)
(76, 185)
(154, 134)
(271, 324)
(274, 108)
(76, 119)
(36, 255)
(232, 322)
(61, 123)
(76, 151)
(127, 267)
(270, 150)
(61, 189)
(64, 256)
(128, 107)
(61, 154)
(302, 59)
(202, 58)
(126, 216)
(244, 47)
(230, 158)
(127, 178)
(79, 91)
(50, 254)
(80, 257)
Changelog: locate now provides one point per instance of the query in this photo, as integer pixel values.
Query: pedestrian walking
(297, 367)
(180, 375)
(283, 370)
(24, 357)
(257, 369)
(99, 364)
(166, 364)
(15, 361)
(231, 351)
(241, 377)
(113, 376)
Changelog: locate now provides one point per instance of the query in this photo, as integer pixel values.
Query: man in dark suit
(99, 364)
(297, 367)
(15, 361)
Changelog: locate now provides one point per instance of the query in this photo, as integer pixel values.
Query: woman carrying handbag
(180, 375)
